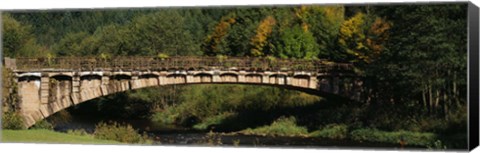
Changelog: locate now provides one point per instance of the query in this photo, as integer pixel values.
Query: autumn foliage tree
(212, 42)
(362, 39)
(259, 41)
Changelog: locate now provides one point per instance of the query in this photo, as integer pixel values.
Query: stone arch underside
(65, 91)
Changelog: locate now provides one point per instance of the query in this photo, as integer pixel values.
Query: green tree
(324, 22)
(18, 40)
(112, 39)
(76, 44)
(425, 56)
(296, 43)
(161, 32)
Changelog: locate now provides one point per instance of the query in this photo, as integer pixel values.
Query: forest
(413, 59)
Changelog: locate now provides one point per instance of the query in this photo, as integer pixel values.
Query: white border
(87, 4)
(7, 5)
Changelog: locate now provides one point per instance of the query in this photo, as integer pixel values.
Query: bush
(80, 132)
(332, 131)
(411, 138)
(60, 117)
(214, 120)
(281, 127)
(118, 132)
(162, 56)
(13, 121)
(43, 124)
(437, 145)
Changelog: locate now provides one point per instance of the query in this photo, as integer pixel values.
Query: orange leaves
(352, 36)
(214, 39)
(263, 31)
(363, 38)
(379, 35)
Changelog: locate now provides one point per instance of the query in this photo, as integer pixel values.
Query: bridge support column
(313, 82)
(357, 89)
(189, 78)
(162, 78)
(241, 76)
(335, 85)
(216, 77)
(134, 84)
(104, 85)
(265, 79)
(44, 88)
(75, 95)
(288, 80)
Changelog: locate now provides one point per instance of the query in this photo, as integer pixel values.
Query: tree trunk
(430, 99)
(424, 98)
(454, 90)
(437, 100)
(445, 105)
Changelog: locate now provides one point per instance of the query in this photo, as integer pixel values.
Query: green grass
(411, 138)
(332, 131)
(48, 136)
(281, 127)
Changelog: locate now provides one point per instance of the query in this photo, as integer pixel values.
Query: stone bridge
(48, 85)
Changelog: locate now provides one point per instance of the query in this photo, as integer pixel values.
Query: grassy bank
(47, 136)
(288, 127)
(281, 127)
(410, 138)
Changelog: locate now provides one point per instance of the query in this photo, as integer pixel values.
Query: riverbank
(48, 136)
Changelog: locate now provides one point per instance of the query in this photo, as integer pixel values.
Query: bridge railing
(178, 62)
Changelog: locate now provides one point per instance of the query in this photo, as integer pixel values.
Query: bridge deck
(178, 62)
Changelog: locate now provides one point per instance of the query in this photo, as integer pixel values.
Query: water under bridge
(48, 85)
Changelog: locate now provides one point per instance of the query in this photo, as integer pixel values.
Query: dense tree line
(413, 57)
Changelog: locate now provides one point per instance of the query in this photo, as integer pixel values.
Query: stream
(171, 135)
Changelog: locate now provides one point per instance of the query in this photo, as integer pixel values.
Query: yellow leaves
(302, 14)
(380, 35)
(221, 30)
(353, 26)
(352, 35)
(334, 14)
(264, 29)
(364, 39)
(304, 27)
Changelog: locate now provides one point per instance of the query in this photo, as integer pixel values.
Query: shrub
(214, 120)
(105, 56)
(437, 145)
(80, 132)
(118, 132)
(13, 121)
(221, 58)
(162, 56)
(332, 131)
(167, 117)
(60, 117)
(281, 127)
(43, 124)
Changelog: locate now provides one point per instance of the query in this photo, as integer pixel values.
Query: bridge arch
(65, 91)
(56, 105)
(44, 89)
